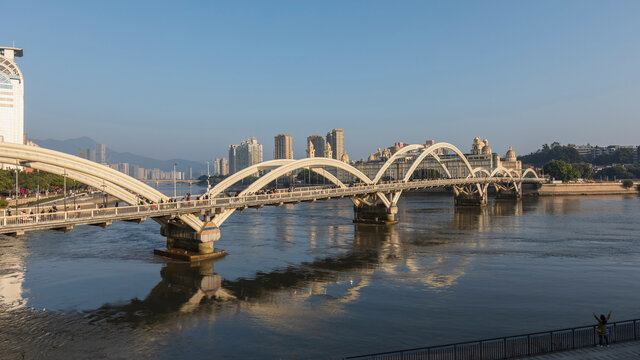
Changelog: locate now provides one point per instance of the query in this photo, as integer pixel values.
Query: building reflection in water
(292, 297)
(12, 260)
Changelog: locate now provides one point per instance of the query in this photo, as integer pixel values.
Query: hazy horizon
(185, 81)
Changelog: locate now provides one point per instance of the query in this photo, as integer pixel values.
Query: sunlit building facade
(283, 147)
(11, 97)
(335, 138)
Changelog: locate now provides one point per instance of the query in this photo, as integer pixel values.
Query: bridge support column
(470, 195)
(185, 243)
(510, 194)
(375, 214)
(471, 200)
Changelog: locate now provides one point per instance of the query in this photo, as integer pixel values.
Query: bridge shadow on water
(192, 288)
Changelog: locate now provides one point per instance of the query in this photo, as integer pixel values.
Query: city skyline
(427, 71)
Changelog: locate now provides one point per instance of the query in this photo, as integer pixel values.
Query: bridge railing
(517, 346)
(26, 216)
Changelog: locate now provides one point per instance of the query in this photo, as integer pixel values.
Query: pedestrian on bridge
(603, 332)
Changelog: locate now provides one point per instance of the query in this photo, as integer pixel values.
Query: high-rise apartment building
(11, 97)
(336, 138)
(318, 144)
(84, 153)
(220, 167)
(133, 170)
(233, 149)
(101, 154)
(248, 153)
(283, 147)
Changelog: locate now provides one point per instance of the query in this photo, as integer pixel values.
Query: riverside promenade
(628, 350)
(570, 343)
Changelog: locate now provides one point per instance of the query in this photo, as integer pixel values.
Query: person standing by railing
(603, 334)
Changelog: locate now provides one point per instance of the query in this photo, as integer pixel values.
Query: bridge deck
(67, 219)
(628, 350)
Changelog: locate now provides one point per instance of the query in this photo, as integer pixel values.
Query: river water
(304, 282)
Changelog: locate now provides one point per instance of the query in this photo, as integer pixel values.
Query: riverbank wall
(612, 188)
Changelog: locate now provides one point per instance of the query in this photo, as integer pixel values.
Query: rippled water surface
(304, 282)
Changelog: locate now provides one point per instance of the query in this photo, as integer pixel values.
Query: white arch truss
(291, 166)
(396, 156)
(430, 151)
(530, 171)
(509, 173)
(267, 165)
(94, 171)
(108, 187)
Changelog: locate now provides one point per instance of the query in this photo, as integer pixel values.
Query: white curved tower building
(11, 97)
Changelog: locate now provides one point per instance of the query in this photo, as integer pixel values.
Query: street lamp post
(208, 176)
(17, 187)
(174, 180)
(104, 187)
(75, 193)
(64, 189)
(38, 192)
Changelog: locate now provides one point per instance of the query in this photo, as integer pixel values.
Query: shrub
(3, 203)
(627, 183)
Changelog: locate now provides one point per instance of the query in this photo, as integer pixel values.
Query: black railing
(510, 347)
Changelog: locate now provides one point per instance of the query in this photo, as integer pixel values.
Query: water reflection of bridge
(286, 300)
(278, 297)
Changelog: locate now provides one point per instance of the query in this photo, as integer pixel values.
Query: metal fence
(510, 347)
(26, 217)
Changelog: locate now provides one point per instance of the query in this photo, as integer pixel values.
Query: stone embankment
(609, 188)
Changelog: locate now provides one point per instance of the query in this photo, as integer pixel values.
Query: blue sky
(166, 79)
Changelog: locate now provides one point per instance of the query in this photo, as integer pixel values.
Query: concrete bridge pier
(509, 194)
(469, 196)
(186, 243)
(377, 214)
(379, 209)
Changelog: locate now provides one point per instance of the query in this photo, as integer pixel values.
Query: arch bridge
(192, 227)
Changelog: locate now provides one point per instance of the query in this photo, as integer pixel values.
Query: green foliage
(621, 156)
(624, 156)
(3, 203)
(585, 170)
(556, 152)
(618, 172)
(30, 180)
(627, 183)
(560, 170)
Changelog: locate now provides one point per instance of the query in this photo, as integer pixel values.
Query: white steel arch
(304, 163)
(481, 171)
(410, 148)
(530, 171)
(430, 151)
(397, 155)
(504, 171)
(244, 173)
(73, 163)
(108, 187)
(267, 165)
(292, 166)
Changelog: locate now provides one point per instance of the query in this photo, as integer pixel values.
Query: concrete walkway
(628, 350)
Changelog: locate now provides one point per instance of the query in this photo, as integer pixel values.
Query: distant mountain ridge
(71, 146)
